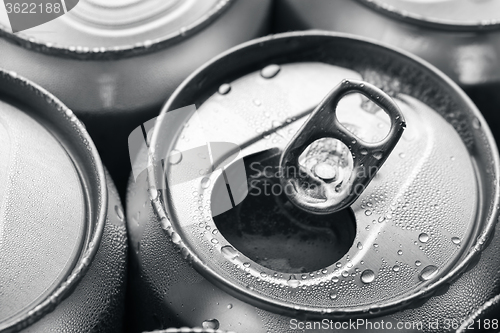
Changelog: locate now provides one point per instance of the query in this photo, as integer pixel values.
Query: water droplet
(423, 237)
(400, 252)
(333, 295)
(205, 182)
(377, 155)
(363, 151)
(176, 239)
(375, 245)
(325, 171)
(402, 155)
(211, 323)
(360, 246)
(427, 273)
(293, 282)
(257, 102)
(119, 212)
(263, 274)
(270, 71)
(367, 276)
(335, 279)
(418, 263)
(247, 264)
(455, 240)
(153, 193)
(395, 268)
(175, 157)
(224, 89)
(229, 306)
(345, 273)
(214, 241)
(368, 212)
(476, 123)
(229, 252)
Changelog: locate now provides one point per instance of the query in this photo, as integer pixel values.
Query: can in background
(115, 63)
(63, 242)
(420, 243)
(461, 38)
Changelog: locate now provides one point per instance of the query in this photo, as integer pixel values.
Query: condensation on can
(115, 64)
(63, 242)
(418, 237)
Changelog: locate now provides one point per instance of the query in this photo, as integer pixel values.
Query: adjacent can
(461, 38)
(215, 239)
(63, 241)
(484, 319)
(114, 63)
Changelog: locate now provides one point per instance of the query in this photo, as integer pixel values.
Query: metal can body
(468, 54)
(184, 272)
(85, 291)
(109, 79)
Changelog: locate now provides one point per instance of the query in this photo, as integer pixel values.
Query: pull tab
(331, 185)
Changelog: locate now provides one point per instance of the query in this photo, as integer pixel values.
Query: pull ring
(324, 189)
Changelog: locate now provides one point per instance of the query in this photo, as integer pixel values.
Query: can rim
(282, 307)
(62, 114)
(119, 51)
(427, 21)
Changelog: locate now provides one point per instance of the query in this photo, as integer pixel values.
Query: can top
(51, 194)
(420, 222)
(447, 14)
(97, 29)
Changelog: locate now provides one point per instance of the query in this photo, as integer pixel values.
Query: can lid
(51, 194)
(447, 14)
(98, 29)
(419, 223)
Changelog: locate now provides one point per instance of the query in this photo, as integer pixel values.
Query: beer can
(63, 241)
(115, 63)
(216, 238)
(461, 38)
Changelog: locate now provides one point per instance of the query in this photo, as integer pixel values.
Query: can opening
(270, 230)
